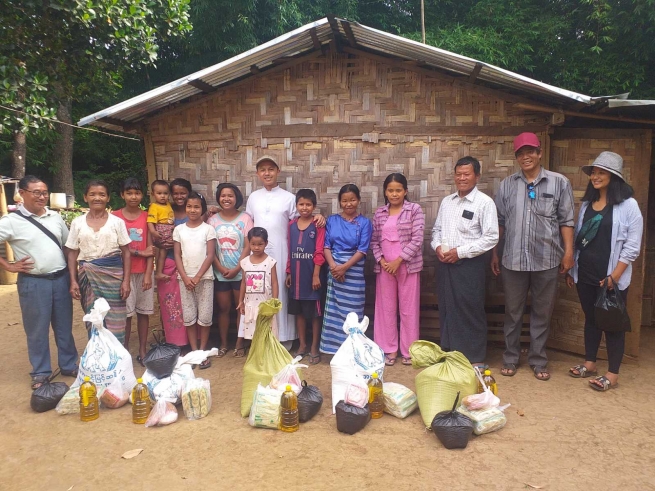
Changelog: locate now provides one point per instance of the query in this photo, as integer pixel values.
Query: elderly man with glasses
(37, 236)
(535, 217)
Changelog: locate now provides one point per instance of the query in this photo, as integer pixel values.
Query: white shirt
(27, 240)
(193, 245)
(469, 224)
(105, 242)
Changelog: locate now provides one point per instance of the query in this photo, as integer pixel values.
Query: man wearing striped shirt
(466, 228)
(535, 214)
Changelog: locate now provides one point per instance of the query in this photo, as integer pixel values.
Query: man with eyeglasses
(535, 216)
(37, 235)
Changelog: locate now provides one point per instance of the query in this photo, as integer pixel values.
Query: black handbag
(610, 311)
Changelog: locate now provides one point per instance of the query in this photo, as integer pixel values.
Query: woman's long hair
(617, 191)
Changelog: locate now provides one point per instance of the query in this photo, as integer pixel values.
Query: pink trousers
(391, 291)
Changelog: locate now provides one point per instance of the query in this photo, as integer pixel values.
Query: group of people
(202, 256)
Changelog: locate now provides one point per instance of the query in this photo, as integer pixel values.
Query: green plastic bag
(266, 356)
(446, 375)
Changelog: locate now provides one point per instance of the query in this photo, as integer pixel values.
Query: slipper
(407, 360)
(239, 352)
(605, 384)
(389, 361)
(583, 372)
(545, 374)
(39, 380)
(509, 369)
(70, 373)
(205, 364)
(221, 353)
(301, 354)
(140, 360)
(314, 359)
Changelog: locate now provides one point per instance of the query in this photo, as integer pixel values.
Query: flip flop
(538, 370)
(239, 352)
(221, 353)
(140, 360)
(39, 380)
(407, 360)
(301, 354)
(509, 370)
(314, 359)
(389, 360)
(205, 364)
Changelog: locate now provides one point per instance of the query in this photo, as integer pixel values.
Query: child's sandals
(239, 352)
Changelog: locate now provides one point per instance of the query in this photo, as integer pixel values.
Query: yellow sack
(266, 356)
(446, 375)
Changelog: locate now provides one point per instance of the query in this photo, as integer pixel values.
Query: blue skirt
(342, 298)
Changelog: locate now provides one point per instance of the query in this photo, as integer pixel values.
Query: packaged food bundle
(162, 358)
(351, 419)
(310, 401)
(289, 376)
(446, 375)
(47, 396)
(114, 396)
(452, 428)
(196, 398)
(265, 409)
(484, 420)
(70, 403)
(399, 401)
(356, 393)
(266, 356)
(163, 413)
(484, 400)
(358, 356)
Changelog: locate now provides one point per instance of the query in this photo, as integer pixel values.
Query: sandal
(221, 353)
(602, 384)
(140, 360)
(72, 373)
(509, 369)
(39, 380)
(239, 352)
(300, 354)
(583, 372)
(314, 359)
(407, 360)
(389, 360)
(541, 373)
(205, 364)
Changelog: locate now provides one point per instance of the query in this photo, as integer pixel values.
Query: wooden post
(423, 21)
(150, 158)
(6, 278)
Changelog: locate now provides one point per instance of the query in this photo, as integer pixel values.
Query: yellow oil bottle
(375, 400)
(490, 382)
(289, 411)
(89, 408)
(140, 403)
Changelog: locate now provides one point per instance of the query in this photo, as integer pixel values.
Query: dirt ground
(569, 438)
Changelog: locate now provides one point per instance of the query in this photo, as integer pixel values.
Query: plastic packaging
(196, 398)
(162, 358)
(484, 420)
(163, 413)
(47, 396)
(140, 403)
(265, 409)
(289, 376)
(289, 411)
(452, 428)
(310, 401)
(357, 393)
(399, 401)
(114, 396)
(375, 401)
(70, 403)
(351, 419)
(484, 400)
(89, 408)
(358, 356)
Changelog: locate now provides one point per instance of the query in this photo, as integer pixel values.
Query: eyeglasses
(531, 192)
(37, 194)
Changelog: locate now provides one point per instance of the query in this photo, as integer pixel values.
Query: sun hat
(266, 158)
(609, 161)
(529, 139)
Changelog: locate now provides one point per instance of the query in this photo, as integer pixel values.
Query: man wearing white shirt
(465, 229)
(43, 280)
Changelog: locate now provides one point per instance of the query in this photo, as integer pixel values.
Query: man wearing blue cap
(535, 218)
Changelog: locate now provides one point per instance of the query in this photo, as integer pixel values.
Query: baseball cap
(266, 158)
(526, 139)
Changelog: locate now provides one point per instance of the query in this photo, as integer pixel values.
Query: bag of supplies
(453, 429)
(266, 356)
(114, 396)
(399, 401)
(446, 375)
(310, 401)
(196, 398)
(351, 419)
(485, 420)
(265, 409)
(47, 396)
(289, 376)
(357, 357)
(163, 413)
(162, 358)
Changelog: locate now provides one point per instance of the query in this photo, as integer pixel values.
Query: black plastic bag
(47, 396)
(610, 311)
(452, 428)
(310, 401)
(161, 359)
(351, 419)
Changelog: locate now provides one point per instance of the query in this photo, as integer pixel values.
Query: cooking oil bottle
(289, 411)
(375, 401)
(490, 382)
(89, 408)
(140, 402)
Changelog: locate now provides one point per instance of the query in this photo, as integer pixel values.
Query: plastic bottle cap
(288, 388)
(487, 372)
(87, 378)
(139, 381)
(375, 375)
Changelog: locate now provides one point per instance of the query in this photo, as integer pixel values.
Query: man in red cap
(535, 217)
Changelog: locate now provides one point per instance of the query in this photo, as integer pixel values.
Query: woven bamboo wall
(337, 119)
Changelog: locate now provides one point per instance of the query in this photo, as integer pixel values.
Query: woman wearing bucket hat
(607, 242)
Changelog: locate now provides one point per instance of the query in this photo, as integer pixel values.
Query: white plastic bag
(356, 393)
(399, 401)
(70, 403)
(114, 396)
(265, 409)
(485, 420)
(163, 413)
(196, 398)
(104, 359)
(289, 376)
(484, 400)
(358, 356)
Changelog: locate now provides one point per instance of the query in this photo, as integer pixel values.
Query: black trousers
(615, 341)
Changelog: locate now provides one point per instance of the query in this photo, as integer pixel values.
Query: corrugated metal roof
(300, 41)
